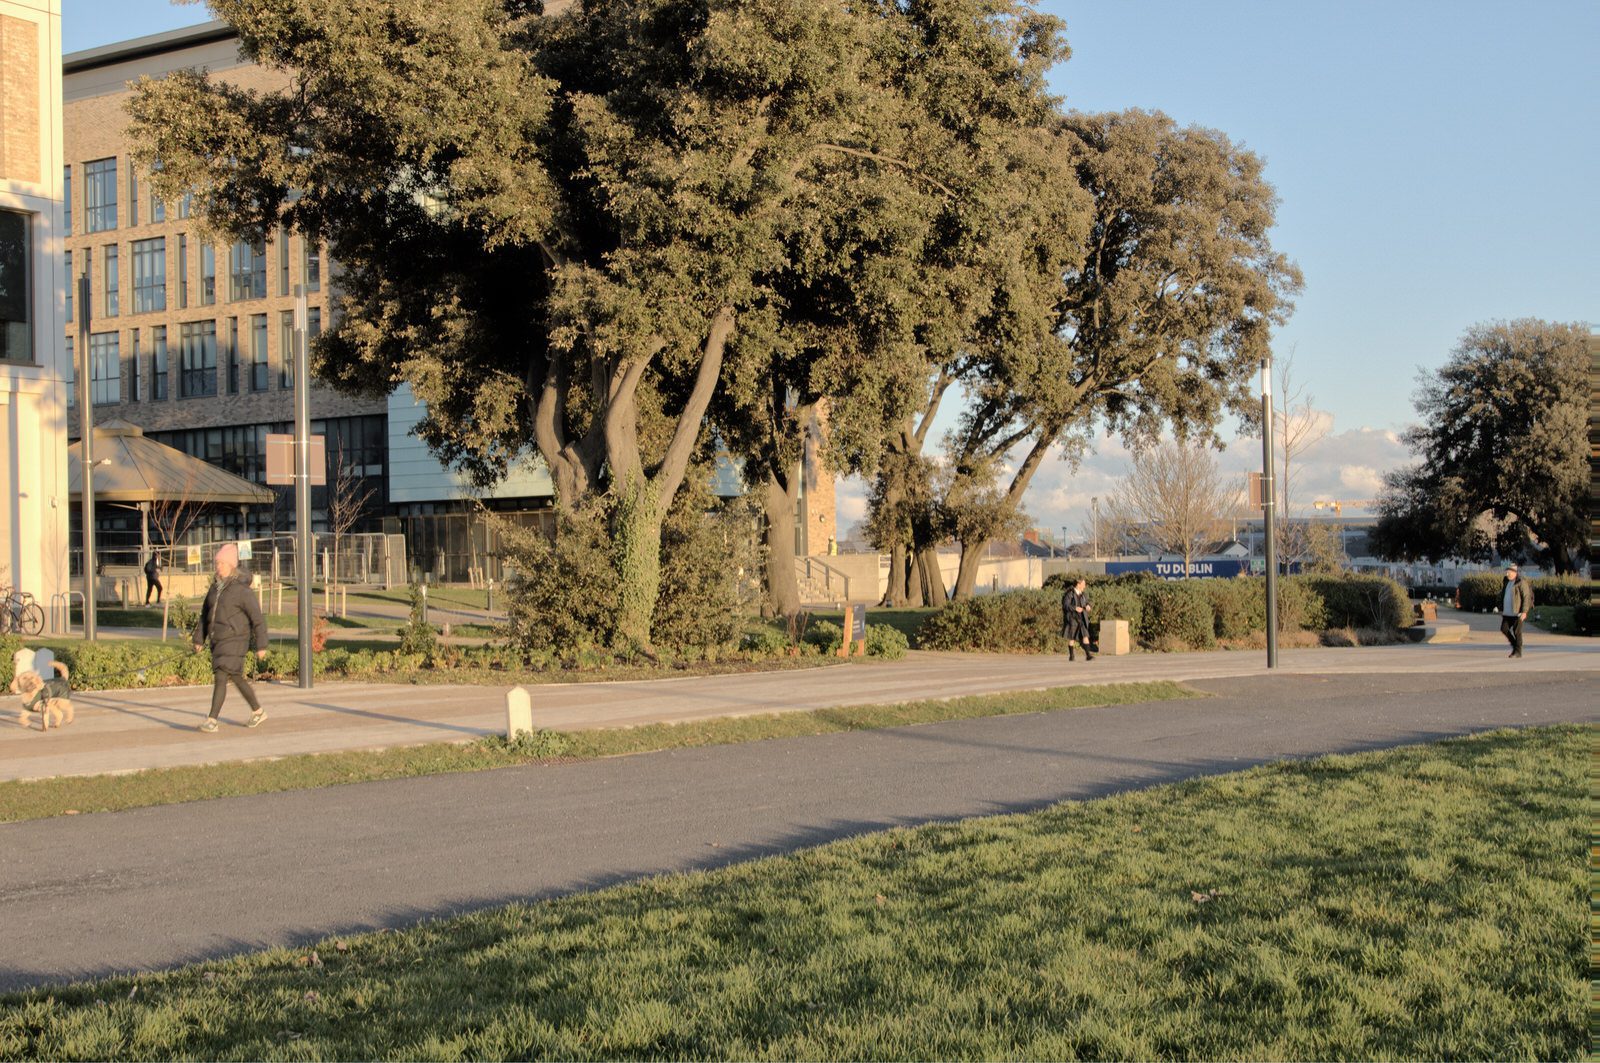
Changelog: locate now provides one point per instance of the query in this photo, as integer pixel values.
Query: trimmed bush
(1116, 601)
(1238, 606)
(825, 635)
(886, 641)
(9, 644)
(1560, 590)
(1362, 601)
(1480, 591)
(1300, 607)
(1585, 617)
(764, 642)
(1177, 611)
(1012, 621)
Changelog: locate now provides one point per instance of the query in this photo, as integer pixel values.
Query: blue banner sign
(1226, 568)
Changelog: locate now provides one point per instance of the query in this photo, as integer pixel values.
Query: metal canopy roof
(142, 470)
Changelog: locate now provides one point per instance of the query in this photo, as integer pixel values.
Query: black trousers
(219, 690)
(151, 586)
(1511, 628)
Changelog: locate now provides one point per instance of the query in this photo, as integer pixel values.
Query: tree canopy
(578, 230)
(1503, 452)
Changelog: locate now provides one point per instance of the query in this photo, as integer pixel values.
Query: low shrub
(1117, 601)
(1177, 611)
(886, 641)
(1362, 601)
(1008, 622)
(1238, 606)
(1560, 590)
(9, 645)
(1300, 607)
(1480, 591)
(1585, 618)
(825, 635)
(764, 642)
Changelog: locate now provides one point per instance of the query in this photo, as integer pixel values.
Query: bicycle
(20, 613)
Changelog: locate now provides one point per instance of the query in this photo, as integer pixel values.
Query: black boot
(1072, 652)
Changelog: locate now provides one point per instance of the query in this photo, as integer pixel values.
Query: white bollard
(519, 713)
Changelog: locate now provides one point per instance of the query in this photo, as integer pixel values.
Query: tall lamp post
(302, 483)
(1268, 491)
(1094, 509)
(86, 441)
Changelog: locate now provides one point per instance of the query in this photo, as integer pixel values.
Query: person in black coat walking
(152, 578)
(231, 622)
(1075, 619)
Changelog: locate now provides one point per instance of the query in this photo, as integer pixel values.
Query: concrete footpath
(121, 731)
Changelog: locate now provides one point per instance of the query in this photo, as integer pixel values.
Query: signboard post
(1267, 508)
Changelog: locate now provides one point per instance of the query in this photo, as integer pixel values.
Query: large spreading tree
(1503, 452)
(559, 229)
(1151, 311)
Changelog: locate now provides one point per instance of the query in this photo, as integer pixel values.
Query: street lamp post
(1094, 510)
(1268, 506)
(86, 445)
(302, 483)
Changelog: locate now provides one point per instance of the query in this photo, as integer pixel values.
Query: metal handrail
(828, 572)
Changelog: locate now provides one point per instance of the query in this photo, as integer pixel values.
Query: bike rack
(61, 609)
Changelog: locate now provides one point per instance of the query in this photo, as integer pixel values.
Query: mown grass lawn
(1419, 903)
(74, 795)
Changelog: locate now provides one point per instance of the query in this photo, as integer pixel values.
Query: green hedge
(1561, 590)
(1009, 622)
(1586, 618)
(1480, 591)
(1362, 601)
(1180, 610)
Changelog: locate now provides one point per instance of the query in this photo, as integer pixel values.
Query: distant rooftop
(140, 47)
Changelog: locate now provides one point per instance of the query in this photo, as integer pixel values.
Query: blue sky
(1435, 163)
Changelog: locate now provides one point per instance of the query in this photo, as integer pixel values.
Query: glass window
(16, 287)
(158, 206)
(66, 200)
(105, 369)
(233, 356)
(286, 350)
(100, 195)
(133, 369)
(258, 352)
(247, 271)
(311, 268)
(283, 261)
(72, 282)
(149, 275)
(208, 275)
(112, 282)
(133, 196)
(198, 353)
(158, 363)
(313, 325)
(71, 375)
(186, 205)
(183, 271)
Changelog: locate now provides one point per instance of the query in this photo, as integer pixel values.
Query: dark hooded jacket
(1075, 625)
(231, 623)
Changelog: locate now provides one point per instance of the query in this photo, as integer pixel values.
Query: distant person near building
(231, 621)
(152, 578)
(1075, 619)
(1515, 599)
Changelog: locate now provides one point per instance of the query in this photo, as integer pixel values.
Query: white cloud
(1343, 466)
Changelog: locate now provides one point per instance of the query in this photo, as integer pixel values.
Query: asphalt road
(95, 895)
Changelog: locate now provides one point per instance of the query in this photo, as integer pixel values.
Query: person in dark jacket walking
(1075, 619)
(152, 578)
(231, 622)
(1516, 598)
